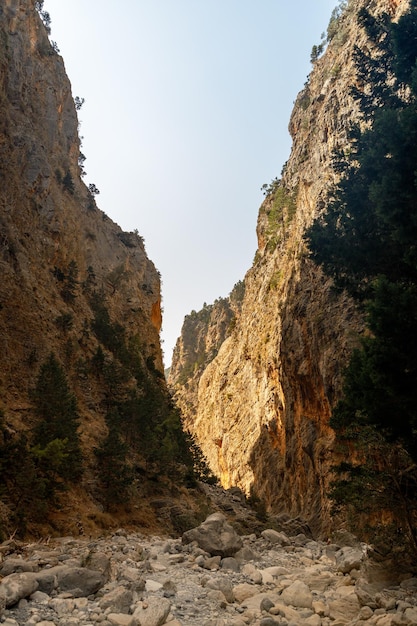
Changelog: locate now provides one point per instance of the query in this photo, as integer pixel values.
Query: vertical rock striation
(260, 408)
(49, 220)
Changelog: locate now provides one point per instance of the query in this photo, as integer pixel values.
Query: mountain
(260, 408)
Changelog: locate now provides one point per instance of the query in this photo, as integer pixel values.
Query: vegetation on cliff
(366, 240)
(87, 425)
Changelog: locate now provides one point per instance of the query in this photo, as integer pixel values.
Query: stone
(253, 573)
(40, 597)
(230, 563)
(119, 619)
(212, 563)
(62, 606)
(152, 612)
(99, 562)
(215, 536)
(47, 580)
(266, 604)
(12, 566)
(344, 605)
(151, 586)
(298, 595)
(243, 591)
(222, 584)
(321, 608)
(366, 594)
(246, 554)
(411, 615)
(348, 559)
(313, 620)
(275, 538)
(118, 599)
(79, 581)
(218, 597)
(269, 621)
(17, 586)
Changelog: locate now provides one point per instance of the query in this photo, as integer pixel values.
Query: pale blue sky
(187, 104)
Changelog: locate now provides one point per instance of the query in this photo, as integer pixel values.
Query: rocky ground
(211, 576)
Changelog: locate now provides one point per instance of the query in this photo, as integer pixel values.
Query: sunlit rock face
(51, 229)
(260, 408)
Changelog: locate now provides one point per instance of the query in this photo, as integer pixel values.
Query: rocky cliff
(63, 261)
(260, 408)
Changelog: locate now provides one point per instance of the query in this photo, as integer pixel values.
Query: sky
(186, 112)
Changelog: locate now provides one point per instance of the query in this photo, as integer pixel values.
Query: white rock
(152, 585)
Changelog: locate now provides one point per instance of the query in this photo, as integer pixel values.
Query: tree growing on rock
(56, 439)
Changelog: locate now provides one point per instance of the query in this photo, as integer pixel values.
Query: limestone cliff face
(56, 247)
(260, 409)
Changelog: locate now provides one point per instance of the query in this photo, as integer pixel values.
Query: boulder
(298, 595)
(118, 599)
(243, 591)
(222, 584)
(215, 536)
(153, 612)
(99, 562)
(78, 581)
(17, 586)
(348, 559)
(14, 566)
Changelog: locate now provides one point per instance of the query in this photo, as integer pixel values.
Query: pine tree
(56, 408)
(114, 472)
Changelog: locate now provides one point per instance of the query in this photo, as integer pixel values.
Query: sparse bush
(68, 183)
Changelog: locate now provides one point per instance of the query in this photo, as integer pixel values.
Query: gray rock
(78, 581)
(17, 586)
(12, 566)
(266, 604)
(269, 621)
(222, 584)
(100, 562)
(230, 563)
(276, 538)
(47, 581)
(152, 612)
(215, 536)
(118, 600)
